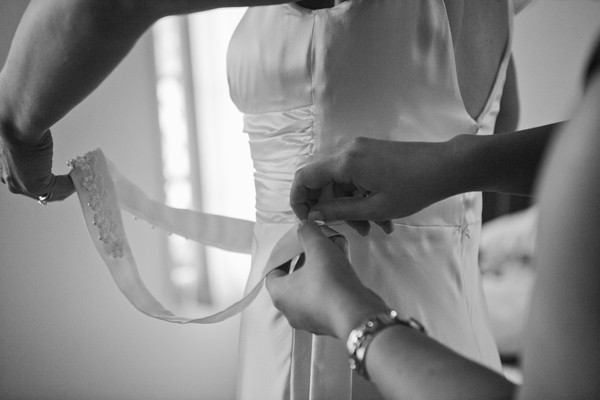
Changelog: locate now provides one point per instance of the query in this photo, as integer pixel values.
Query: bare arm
(61, 52)
(63, 49)
(402, 178)
(504, 163)
(404, 364)
(561, 354)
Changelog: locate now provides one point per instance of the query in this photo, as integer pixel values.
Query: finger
(341, 242)
(361, 227)
(341, 190)
(307, 184)
(272, 277)
(62, 187)
(386, 226)
(312, 198)
(344, 209)
(273, 282)
(309, 230)
(311, 236)
(317, 244)
(276, 273)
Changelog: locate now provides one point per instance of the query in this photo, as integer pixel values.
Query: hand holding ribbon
(26, 167)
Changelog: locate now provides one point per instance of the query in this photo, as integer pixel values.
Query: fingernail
(315, 216)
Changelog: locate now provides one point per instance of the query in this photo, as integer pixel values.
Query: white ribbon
(103, 191)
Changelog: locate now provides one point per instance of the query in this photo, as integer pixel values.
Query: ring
(43, 199)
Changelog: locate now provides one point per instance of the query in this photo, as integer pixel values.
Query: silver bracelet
(360, 337)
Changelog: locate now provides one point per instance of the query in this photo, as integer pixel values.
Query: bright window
(206, 159)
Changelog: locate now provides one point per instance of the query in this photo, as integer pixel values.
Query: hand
(325, 295)
(27, 168)
(374, 180)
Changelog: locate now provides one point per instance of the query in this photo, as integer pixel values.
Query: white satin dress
(308, 81)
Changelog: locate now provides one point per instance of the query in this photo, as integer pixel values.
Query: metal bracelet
(360, 337)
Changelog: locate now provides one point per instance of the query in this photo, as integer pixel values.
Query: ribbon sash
(102, 191)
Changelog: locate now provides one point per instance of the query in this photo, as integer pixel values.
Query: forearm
(503, 163)
(62, 51)
(405, 364)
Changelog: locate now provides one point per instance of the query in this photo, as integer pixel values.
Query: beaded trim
(103, 219)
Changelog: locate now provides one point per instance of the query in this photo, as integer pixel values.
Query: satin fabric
(309, 81)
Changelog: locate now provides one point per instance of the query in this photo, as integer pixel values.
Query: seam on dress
(311, 150)
(463, 227)
(469, 307)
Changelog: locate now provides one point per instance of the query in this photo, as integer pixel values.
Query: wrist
(360, 338)
(10, 130)
(464, 152)
(356, 309)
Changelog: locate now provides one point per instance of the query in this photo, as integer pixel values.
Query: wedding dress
(308, 81)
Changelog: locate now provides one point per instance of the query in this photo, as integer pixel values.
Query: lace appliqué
(103, 216)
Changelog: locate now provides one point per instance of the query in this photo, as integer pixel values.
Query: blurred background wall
(552, 41)
(65, 330)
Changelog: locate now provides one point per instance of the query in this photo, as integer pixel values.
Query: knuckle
(336, 211)
(347, 159)
(276, 301)
(361, 141)
(353, 153)
(298, 174)
(293, 323)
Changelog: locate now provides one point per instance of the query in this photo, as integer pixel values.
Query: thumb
(275, 273)
(273, 278)
(345, 209)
